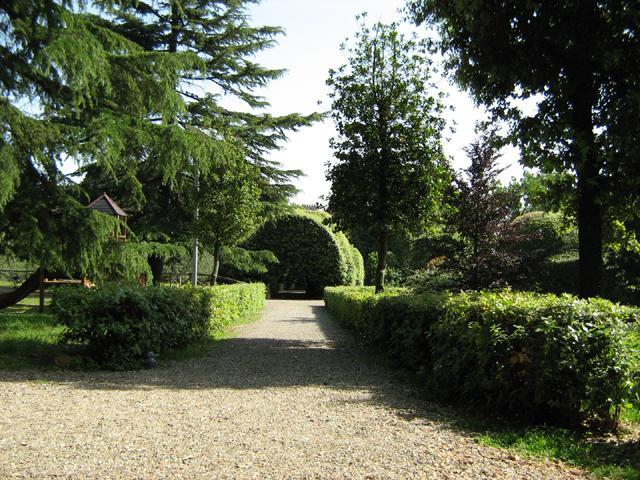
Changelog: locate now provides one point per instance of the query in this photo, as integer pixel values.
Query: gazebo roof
(106, 204)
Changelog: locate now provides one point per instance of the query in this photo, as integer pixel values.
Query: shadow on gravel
(338, 362)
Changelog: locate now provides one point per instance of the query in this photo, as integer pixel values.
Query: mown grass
(30, 340)
(612, 458)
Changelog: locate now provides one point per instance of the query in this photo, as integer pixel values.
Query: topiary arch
(310, 256)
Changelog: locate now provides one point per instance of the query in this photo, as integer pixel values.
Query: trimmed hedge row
(119, 323)
(544, 357)
(235, 303)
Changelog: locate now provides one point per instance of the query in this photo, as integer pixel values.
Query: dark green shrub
(545, 357)
(557, 274)
(541, 246)
(433, 281)
(541, 234)
(542, 356)
(438, 245)
(119, 323)
(310, 256)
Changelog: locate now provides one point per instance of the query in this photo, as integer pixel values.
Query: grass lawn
(28, 339)
(610, 457)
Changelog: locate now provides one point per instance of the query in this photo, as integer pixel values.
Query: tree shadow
(340, 362)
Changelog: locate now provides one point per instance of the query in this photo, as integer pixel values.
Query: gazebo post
(41, 283)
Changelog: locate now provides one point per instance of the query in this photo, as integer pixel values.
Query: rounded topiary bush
(541, 234)
(310, 256)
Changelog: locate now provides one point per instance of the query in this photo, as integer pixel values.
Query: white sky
(314, 30)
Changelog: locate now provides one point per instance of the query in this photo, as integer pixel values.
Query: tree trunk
(475, 272)
(216, 264)
(156, 263)
(175, 25)
(381, 268)
(589, 234)
(587, 165)
(29, 286)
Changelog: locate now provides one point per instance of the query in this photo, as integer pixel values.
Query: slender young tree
(483, 214)
(389, 169)
(580, 60)
(228, 202)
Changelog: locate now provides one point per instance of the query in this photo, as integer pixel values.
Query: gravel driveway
(289, 397)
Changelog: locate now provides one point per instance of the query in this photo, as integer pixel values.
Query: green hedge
(545, 357)
(235, 303)
(310, 256)
(119, 323)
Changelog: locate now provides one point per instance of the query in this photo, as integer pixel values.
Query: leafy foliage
(218, 34)
(548, 192)
(623, 258)
(120, 323)
(231, 304)
(482, 215)
(389, 128)
(72, 90)
(551, 358)
(129, 92)
(228, 204)
(309, 255)
(584, 87)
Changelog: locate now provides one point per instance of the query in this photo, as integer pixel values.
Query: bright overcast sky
(314, 30)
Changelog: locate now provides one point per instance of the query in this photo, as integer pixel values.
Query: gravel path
(289, 397)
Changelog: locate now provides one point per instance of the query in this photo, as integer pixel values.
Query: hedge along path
(291, 396)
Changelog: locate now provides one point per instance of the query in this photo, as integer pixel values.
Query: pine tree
(218, 34)
(71, 90)
(221, 42)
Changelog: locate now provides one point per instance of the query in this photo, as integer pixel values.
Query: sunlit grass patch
(28, 340)
(613, 459)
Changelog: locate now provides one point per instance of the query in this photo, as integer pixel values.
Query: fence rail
(17, 276)
(203, 278)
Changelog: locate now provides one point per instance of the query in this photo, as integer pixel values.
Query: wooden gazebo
(105, 204)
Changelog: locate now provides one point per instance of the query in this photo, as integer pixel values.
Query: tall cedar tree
(72, 89)
(483, 214)
(581, 60)
(218, 35)
(389, 169)
(217, 32)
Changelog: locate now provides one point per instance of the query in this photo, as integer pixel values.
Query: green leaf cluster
(129, 93)
(231, 304)
(565, 76)
(389, 123)
(120, 322)
(310, 256)
(228, 203)
(545, 358)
